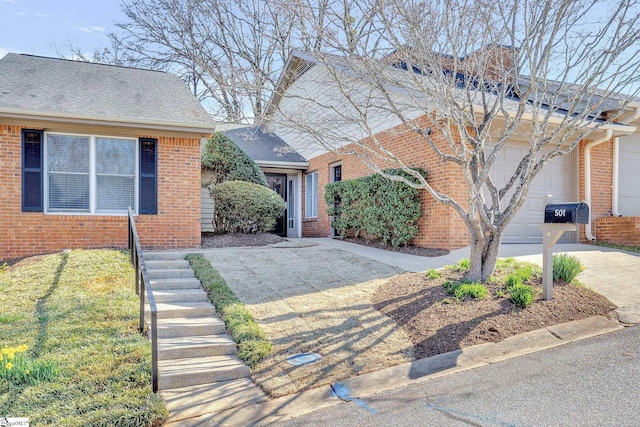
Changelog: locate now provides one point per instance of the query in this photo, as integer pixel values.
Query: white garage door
(555, 179)
(629, 176)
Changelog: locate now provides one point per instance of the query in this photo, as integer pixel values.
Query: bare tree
(466, 76)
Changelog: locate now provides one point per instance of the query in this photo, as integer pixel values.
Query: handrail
(143, 288)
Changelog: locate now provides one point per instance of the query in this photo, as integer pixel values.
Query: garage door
(629, 176)
(555, 179)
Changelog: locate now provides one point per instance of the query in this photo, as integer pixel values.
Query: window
(88, 174)
(311, 195)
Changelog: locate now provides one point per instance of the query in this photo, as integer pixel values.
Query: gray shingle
(82, 89)
(264, 147)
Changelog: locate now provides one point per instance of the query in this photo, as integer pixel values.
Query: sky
(48, 27)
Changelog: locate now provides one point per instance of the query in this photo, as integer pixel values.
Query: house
(282, 167)
(80, 142)
(602, 171)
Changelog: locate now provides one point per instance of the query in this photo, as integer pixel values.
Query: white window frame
(311, 197)
(92, 176)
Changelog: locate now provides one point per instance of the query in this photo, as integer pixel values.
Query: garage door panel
(629, 176)
(555, 178)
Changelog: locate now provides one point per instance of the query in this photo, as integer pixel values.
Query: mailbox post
(558, 218)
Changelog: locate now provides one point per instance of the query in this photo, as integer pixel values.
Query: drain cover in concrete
(303, 358)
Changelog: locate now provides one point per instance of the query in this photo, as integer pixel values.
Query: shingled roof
(266, 149)
(83, 91)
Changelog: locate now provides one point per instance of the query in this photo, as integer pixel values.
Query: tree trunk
(484, 253)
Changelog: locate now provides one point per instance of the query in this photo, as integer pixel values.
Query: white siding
(206, 212)
(629, 176)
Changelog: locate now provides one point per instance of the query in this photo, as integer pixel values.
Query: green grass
(616, 246)
(566, 267)
(462, 290)
(245, 331)
(77, 314)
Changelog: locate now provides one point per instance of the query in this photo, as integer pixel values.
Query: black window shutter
(148, 203)
(32, 163)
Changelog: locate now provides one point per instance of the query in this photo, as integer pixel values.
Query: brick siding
(177, 224)
(619, 230)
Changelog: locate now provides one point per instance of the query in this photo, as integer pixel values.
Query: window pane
(115, 156)
(68, 191)
(67, 153)
(115, 192)
(311, 195)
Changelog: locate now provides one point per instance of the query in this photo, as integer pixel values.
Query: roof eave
(284, 165)
(105, 121)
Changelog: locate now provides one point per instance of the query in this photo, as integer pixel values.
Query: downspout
(587, 178)
(616, 164)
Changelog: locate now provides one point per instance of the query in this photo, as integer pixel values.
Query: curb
(287, 407)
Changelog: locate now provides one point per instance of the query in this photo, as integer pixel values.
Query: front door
(278, 183)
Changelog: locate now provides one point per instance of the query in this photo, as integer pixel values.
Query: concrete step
(189, 327)
(183, 309)
(179, 283)
(199, 346)
(188, 402)
(167, 264)
(176, 373)
(152, 256)
(170, 273)
(179, 295)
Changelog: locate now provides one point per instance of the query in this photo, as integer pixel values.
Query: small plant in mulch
(566, 267)
(432, 273)
(253, 346)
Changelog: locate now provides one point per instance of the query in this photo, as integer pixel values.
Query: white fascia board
(119, 122)
(284, 165)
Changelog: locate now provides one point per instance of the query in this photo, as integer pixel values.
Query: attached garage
(629, 176)
(556, 178)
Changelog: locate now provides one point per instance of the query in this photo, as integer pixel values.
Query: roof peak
(76, 61)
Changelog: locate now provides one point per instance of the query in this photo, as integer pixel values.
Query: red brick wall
(439, 225)
(177, 224)
(601, 183)
(619, 230)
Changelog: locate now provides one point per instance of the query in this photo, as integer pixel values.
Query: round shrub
(245, 207)
(226, 162)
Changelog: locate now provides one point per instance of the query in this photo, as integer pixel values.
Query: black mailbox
(567, 213)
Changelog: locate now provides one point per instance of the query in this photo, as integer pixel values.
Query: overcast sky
(46, 27)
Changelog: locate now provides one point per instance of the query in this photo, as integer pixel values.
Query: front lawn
(77, 315)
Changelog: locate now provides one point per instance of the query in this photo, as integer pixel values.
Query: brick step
(188, 402)
(197, 346)
(179, 283)
(176, 373)
(177, 264)
(183, 309)
(189, 327)
(170, 273)
(178, 295)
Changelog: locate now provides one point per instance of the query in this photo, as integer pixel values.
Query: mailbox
(566, 213)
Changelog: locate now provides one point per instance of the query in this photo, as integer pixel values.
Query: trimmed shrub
(245, 207)
(566, 267)
(226, 162)
(381, 208)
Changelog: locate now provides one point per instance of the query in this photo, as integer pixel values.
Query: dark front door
(278, 183)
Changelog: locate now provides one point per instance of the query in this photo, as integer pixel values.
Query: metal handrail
(143, 288)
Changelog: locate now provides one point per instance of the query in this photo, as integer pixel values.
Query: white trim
(307, 194)
(93, 202)
(96, 120)
(287, 165)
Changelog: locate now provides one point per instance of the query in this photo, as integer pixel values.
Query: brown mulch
(408, 249)
(213, 240)
(436, 323)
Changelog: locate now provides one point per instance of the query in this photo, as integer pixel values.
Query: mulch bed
(408, 249)
(415, 302)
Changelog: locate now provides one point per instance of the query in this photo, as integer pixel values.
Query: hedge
(380, 208)
(227, 162)
(245, 207)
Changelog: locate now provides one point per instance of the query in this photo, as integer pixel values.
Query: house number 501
(560, 212)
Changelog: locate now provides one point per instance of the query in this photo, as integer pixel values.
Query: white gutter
(587, 178)
(616, 164)
(283, 165)
(202, 128)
